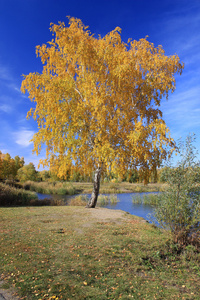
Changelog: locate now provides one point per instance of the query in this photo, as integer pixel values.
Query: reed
(102, 200)
(113, 199)
(80, 200)
(55, 188)
(106, 200)
(150, 199)
(11, 196)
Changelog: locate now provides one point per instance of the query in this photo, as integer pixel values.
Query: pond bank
(124, 203)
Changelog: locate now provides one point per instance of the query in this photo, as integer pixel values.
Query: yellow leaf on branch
(97, 101)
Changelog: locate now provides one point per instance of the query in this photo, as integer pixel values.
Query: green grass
(72, 253)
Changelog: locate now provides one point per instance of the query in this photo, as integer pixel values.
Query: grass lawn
(78, 253)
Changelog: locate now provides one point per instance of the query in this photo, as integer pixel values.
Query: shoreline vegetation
(120, 256)
(72, 188)
(25, 194)
(82, 200)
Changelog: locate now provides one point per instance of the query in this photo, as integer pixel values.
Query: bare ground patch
(7, 294)
(103, 215)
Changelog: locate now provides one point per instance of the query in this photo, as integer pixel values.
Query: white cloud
(180, 31)
(23, 137)
(7, 80)
(5, 108)
(181, 112)
(14, 87)
(4, 73)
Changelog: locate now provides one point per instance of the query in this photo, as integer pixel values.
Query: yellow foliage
(97, 100)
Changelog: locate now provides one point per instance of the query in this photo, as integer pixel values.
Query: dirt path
(105, 214)
(7, 294)
(100, 214)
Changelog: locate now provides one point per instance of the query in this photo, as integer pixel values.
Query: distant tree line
(15, 169)
(10, 166)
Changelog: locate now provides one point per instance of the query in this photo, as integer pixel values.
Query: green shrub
(178, 207)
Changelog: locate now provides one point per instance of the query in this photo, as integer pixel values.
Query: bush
(164, 174)
(178, 208)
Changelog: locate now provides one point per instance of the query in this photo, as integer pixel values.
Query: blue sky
(174, 24)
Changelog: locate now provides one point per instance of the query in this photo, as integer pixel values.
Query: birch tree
(97, 102)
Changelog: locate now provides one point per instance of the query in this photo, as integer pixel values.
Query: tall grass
(72, 188)
(81, 200)
(59, 188)
(11, 196)
(106, 200)
(141, 188)
(126, 187)
(150, 199)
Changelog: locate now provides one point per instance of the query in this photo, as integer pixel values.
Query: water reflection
(125, 203)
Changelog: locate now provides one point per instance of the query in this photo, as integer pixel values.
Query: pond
(125, 203)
